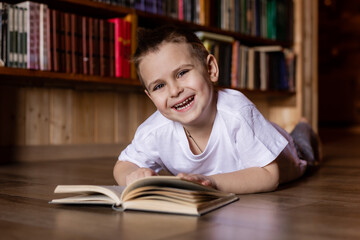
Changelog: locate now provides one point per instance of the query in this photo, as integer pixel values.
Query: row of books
(36, 37)
(270, 19)
(254, 68)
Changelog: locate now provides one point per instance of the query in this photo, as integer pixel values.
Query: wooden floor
(325, 205)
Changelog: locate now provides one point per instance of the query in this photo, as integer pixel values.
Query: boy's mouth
(184, 104)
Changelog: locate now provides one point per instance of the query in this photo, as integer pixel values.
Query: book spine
(91, 45)
(118, 25)
(96, 47)
(234, 64)
(1, 35)
(79, 45)
(127, 48)
(101, 45)
(55, 40)
(4, 29)
(9, 35)
(73, 39)
(96, 51)
(85, 42)
(67, 36)
(112, 50)
(34, 36)
(181, 10)
(16, 44)
(49, 39)
(61, 49)
(44, 35)
(263, 72)
(20, 37)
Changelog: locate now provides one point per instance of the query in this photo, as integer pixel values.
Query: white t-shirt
(241, 138)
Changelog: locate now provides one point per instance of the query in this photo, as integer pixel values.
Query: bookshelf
(114, 106)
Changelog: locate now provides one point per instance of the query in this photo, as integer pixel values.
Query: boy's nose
(175, 89)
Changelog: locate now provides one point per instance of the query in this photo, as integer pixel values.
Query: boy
(215, 138)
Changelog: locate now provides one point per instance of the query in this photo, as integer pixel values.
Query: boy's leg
(307, 144)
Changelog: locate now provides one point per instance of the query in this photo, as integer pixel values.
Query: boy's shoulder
(152, 124)
(232, 101)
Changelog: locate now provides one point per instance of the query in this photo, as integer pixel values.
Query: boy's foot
(308, 144)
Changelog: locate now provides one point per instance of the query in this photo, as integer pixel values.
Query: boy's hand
(203, 180)
(139, 173)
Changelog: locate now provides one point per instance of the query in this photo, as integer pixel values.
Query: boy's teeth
(184, 104)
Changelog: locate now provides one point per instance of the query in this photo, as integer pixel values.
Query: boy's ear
(213, 68)
(147, 93)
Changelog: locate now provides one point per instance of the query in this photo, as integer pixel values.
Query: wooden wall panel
(12, 116)
(61, 120)
(105, 129)
(149, 107)
(122, 119)
(37, 116)
(84, 117)
(134, 113)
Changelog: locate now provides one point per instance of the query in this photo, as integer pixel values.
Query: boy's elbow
(116, 172)
(273, 176)
(274, 185)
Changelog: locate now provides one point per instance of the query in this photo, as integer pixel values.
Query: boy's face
(179, 85)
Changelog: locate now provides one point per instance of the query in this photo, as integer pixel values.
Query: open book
(166, 194)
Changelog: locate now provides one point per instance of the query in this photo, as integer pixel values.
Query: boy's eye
(181, 73)
(158, 86)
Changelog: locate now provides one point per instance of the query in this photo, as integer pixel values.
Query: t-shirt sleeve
(142, 151)
(258, 142)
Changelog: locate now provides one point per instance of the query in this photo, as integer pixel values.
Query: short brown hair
(150, 40)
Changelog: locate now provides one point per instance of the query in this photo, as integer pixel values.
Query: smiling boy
(216, 138)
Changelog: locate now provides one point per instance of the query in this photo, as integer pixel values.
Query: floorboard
(324, 205)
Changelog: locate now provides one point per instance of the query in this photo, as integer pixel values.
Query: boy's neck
(200, 133)
(205, 126)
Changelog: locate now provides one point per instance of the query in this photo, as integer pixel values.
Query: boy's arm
(127, 172)
(250, 180)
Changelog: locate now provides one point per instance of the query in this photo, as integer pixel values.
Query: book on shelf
(119, 36)
(221, 47)
(166, 194)
(127, 48)
(253, 68)
(3, 33)
(44, 37)
(262, 18)
(85, 44)
(36, 37)
(67, 37)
